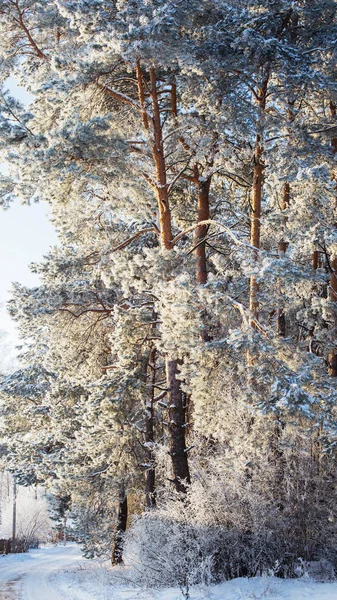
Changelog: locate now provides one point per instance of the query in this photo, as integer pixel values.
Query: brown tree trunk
(177, 428)
(122, 517)
(255, 231)
(315, 259)
(284, 205)
(256, 227)
(161, 186)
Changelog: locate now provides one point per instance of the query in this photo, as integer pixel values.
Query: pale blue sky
(25, 236)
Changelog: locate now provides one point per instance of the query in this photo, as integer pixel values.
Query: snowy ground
(62, 574)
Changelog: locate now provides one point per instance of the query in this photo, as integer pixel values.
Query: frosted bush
(231, 524)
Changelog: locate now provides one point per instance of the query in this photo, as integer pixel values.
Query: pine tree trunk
(150, 474)
(332, 357)
(256, 227)
(282, 248)
(315, 265)
(317, 448)
(277, 451)
(177, 428)
(117, 552)
(255, 231)
(161, 186)
(200, 235)
(201, 231)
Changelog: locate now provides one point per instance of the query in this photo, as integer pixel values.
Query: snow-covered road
(32, 576)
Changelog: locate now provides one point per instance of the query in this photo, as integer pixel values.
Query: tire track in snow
(29, 577)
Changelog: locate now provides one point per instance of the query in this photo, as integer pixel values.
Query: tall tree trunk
(200, 237)
(282, 248)
(161, 186)
(256, 199)
(281, 330)
(177, 427)
(332, 357)
(261, 96)
(150, 474)
(255, 232)
(177, 430)
(316, 445)
(122, 517)
(201, 231)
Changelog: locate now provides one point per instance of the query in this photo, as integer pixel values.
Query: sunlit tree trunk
(255, 232)
(161, 186)
(177, 429)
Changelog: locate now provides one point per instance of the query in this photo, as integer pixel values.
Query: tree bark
(282, 248)
(277, 450)
(256, 227)
(161, 186)
(177, 428)
(332, 357)
(255, 231)
(117, 552)
(150, 474)
(315, 259)
(201, 231)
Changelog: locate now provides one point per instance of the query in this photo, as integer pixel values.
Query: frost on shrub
(231, 524)
(166, 551)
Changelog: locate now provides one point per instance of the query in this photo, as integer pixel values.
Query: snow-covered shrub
(239, 519)
(166, 550)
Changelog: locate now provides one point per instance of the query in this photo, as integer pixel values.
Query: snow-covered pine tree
(159, 131)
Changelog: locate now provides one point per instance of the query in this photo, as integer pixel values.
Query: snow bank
(98, 582)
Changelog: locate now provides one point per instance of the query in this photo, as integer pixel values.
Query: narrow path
(30, 576)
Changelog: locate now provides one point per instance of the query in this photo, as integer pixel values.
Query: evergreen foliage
(180, 352)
